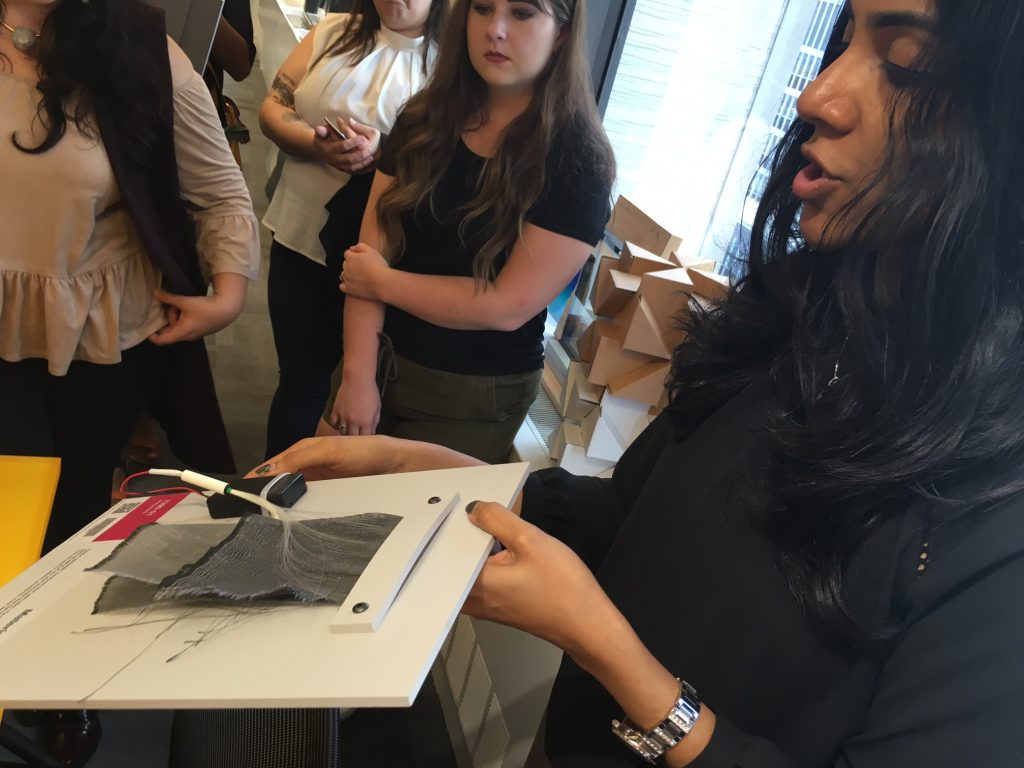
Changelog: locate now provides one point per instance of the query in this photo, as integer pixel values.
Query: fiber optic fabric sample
(308, 561)
(120, 593)
(255, 559)
(152, 555)
(156, 552)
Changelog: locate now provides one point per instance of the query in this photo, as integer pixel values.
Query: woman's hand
(193, 317)
(368, 132)
(364, 273)
(538, 585)
(326, 458)
(349, 155)
(356, 408)
(353, 155)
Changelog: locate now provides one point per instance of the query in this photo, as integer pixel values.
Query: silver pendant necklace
(835, 377)
(835, 372)
(24, 39)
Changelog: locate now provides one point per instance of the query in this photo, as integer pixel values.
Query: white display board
(54, 653)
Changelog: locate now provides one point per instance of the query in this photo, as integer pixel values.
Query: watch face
(669, 732)
(641, 743)
(635, 740)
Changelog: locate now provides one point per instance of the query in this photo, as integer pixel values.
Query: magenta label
(148, 511)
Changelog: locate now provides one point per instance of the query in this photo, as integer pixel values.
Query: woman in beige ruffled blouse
(84, 319)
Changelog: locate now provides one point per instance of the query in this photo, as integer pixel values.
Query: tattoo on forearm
(283, 91)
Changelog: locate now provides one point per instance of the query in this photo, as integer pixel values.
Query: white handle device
(219, 486)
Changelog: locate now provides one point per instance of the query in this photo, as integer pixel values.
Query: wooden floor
(242, 355)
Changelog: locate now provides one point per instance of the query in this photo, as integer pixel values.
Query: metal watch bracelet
(679, 721)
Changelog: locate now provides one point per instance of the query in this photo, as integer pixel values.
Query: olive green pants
(475, 415)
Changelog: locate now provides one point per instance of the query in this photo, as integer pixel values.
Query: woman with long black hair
(119, 203)
(823, 535)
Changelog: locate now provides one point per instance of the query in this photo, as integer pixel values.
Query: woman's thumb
(501, 523)
(363, 130)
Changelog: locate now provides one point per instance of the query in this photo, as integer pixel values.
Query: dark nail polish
(262, 470)
(470, 506)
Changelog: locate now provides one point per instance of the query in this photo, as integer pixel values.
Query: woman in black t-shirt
(489, 198)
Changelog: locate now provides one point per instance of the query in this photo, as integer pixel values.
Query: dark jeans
(475, 415)
(306, 313)
(84, 417)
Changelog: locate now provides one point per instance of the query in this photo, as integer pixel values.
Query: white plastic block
(627, 418)
(567, 433)
(601, 440)
(575, 460)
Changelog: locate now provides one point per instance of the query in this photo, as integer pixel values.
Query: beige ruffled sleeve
(227, 233)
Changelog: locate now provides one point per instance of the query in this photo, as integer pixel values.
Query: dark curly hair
(923, 308)
(87, 62)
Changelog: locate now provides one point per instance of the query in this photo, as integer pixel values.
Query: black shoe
(70, 735)
(27, 717)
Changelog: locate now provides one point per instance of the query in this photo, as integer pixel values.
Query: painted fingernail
(470, 506)
(262, 470)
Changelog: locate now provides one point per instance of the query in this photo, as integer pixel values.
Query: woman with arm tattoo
(355, 71)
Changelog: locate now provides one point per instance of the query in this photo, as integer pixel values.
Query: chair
(255, 738)
(27, 485)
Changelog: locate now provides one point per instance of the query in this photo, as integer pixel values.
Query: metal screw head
(434, 500)
(360, 607)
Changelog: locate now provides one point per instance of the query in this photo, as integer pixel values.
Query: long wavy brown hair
(360, 35)
(511, 182)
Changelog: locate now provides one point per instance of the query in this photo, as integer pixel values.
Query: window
(808, 63)
(704, 88)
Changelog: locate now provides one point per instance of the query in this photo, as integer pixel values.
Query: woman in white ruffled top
(355, 71)
(83, 313)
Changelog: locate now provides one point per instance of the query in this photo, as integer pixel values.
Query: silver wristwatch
(677, 723)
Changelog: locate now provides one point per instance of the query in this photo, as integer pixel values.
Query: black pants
(306, 309)
(84, 417)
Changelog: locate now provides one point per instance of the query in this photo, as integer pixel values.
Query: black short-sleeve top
(574, 202)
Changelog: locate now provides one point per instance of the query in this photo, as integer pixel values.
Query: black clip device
(283, 490)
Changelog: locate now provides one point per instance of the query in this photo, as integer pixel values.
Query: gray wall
(192, 24)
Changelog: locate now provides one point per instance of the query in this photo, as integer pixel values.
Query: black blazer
(186, 402)
(701, 584)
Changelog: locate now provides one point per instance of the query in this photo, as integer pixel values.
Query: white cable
(219, 486)
(269, 507)
(209, 483)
